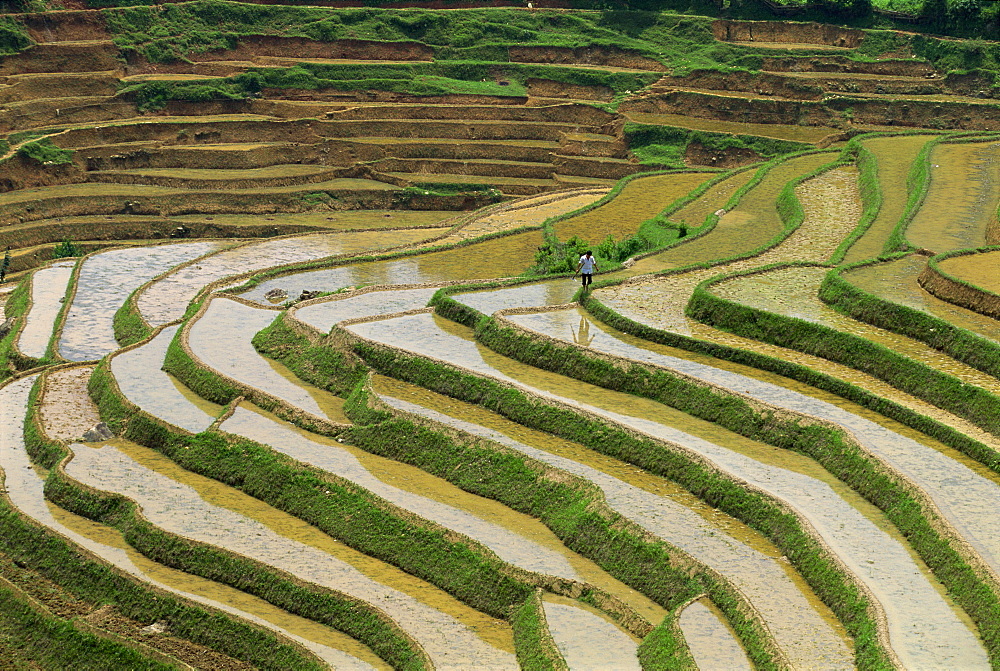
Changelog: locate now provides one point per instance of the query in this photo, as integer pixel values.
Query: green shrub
(66, 249)
(45, 152)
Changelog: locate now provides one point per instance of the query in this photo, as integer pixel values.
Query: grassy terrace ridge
(961, 344)
(759, 511)
(947, 392)
(572, 509)
(830, 446)
(347, 512)
(89, 579)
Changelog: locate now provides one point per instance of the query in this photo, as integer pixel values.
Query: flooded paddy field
(384, 201)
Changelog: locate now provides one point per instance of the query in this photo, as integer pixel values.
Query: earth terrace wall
(317, 177)
(455, 563)
(961, 344)
(352, 616)
(955, 290)
(151, 228)
(223, 202)
(947, 392)
(674, 462)
(93, 579)
(536, 650)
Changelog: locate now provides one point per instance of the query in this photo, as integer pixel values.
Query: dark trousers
(588, 278)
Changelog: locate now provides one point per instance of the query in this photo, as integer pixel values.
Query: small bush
(46, 153)
(66, 249)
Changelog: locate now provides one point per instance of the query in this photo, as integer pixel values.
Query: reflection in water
(177, 501)
(166, 299)
(581, 336)
(710, 640)
(105, 281)
(501, 257)
(25, 489)
(587, 639)
(802, 633)
(48, 287)
(142, 382)
(221, 340)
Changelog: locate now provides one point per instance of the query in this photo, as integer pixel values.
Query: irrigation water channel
(924, 626)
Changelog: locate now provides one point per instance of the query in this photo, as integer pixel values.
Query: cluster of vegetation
(66, 249)
(419, 79)
(45, 152)
(667, 145)
(555, 257)
(13, 36)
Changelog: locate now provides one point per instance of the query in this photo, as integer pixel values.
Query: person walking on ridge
(588, 264)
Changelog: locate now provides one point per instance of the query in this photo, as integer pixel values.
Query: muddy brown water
(962, 198)
(48, 288)
(207, 511)
(817, 643)
(220, 339)
(810, 134)
(166, 299)
(587, 639)
(641, 199)
(911, 597)
(25, 489)
(710, 640)
(141, 380)
(964, 490)
(714, 199)
(793, 292)
(502, 257)
(894, 158)
(896, 281)
(978, 269)
(105, 282)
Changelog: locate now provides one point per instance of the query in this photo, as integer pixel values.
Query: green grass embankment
(17, 306)
(95, 581)
(339, 508)
(536, 651)
(40, 640)
(574, 510)
(828, 445)
(666, 145)
(975, 404)
(961, 344)
(760, 512)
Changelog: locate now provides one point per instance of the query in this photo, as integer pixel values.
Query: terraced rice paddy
(345, 408)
